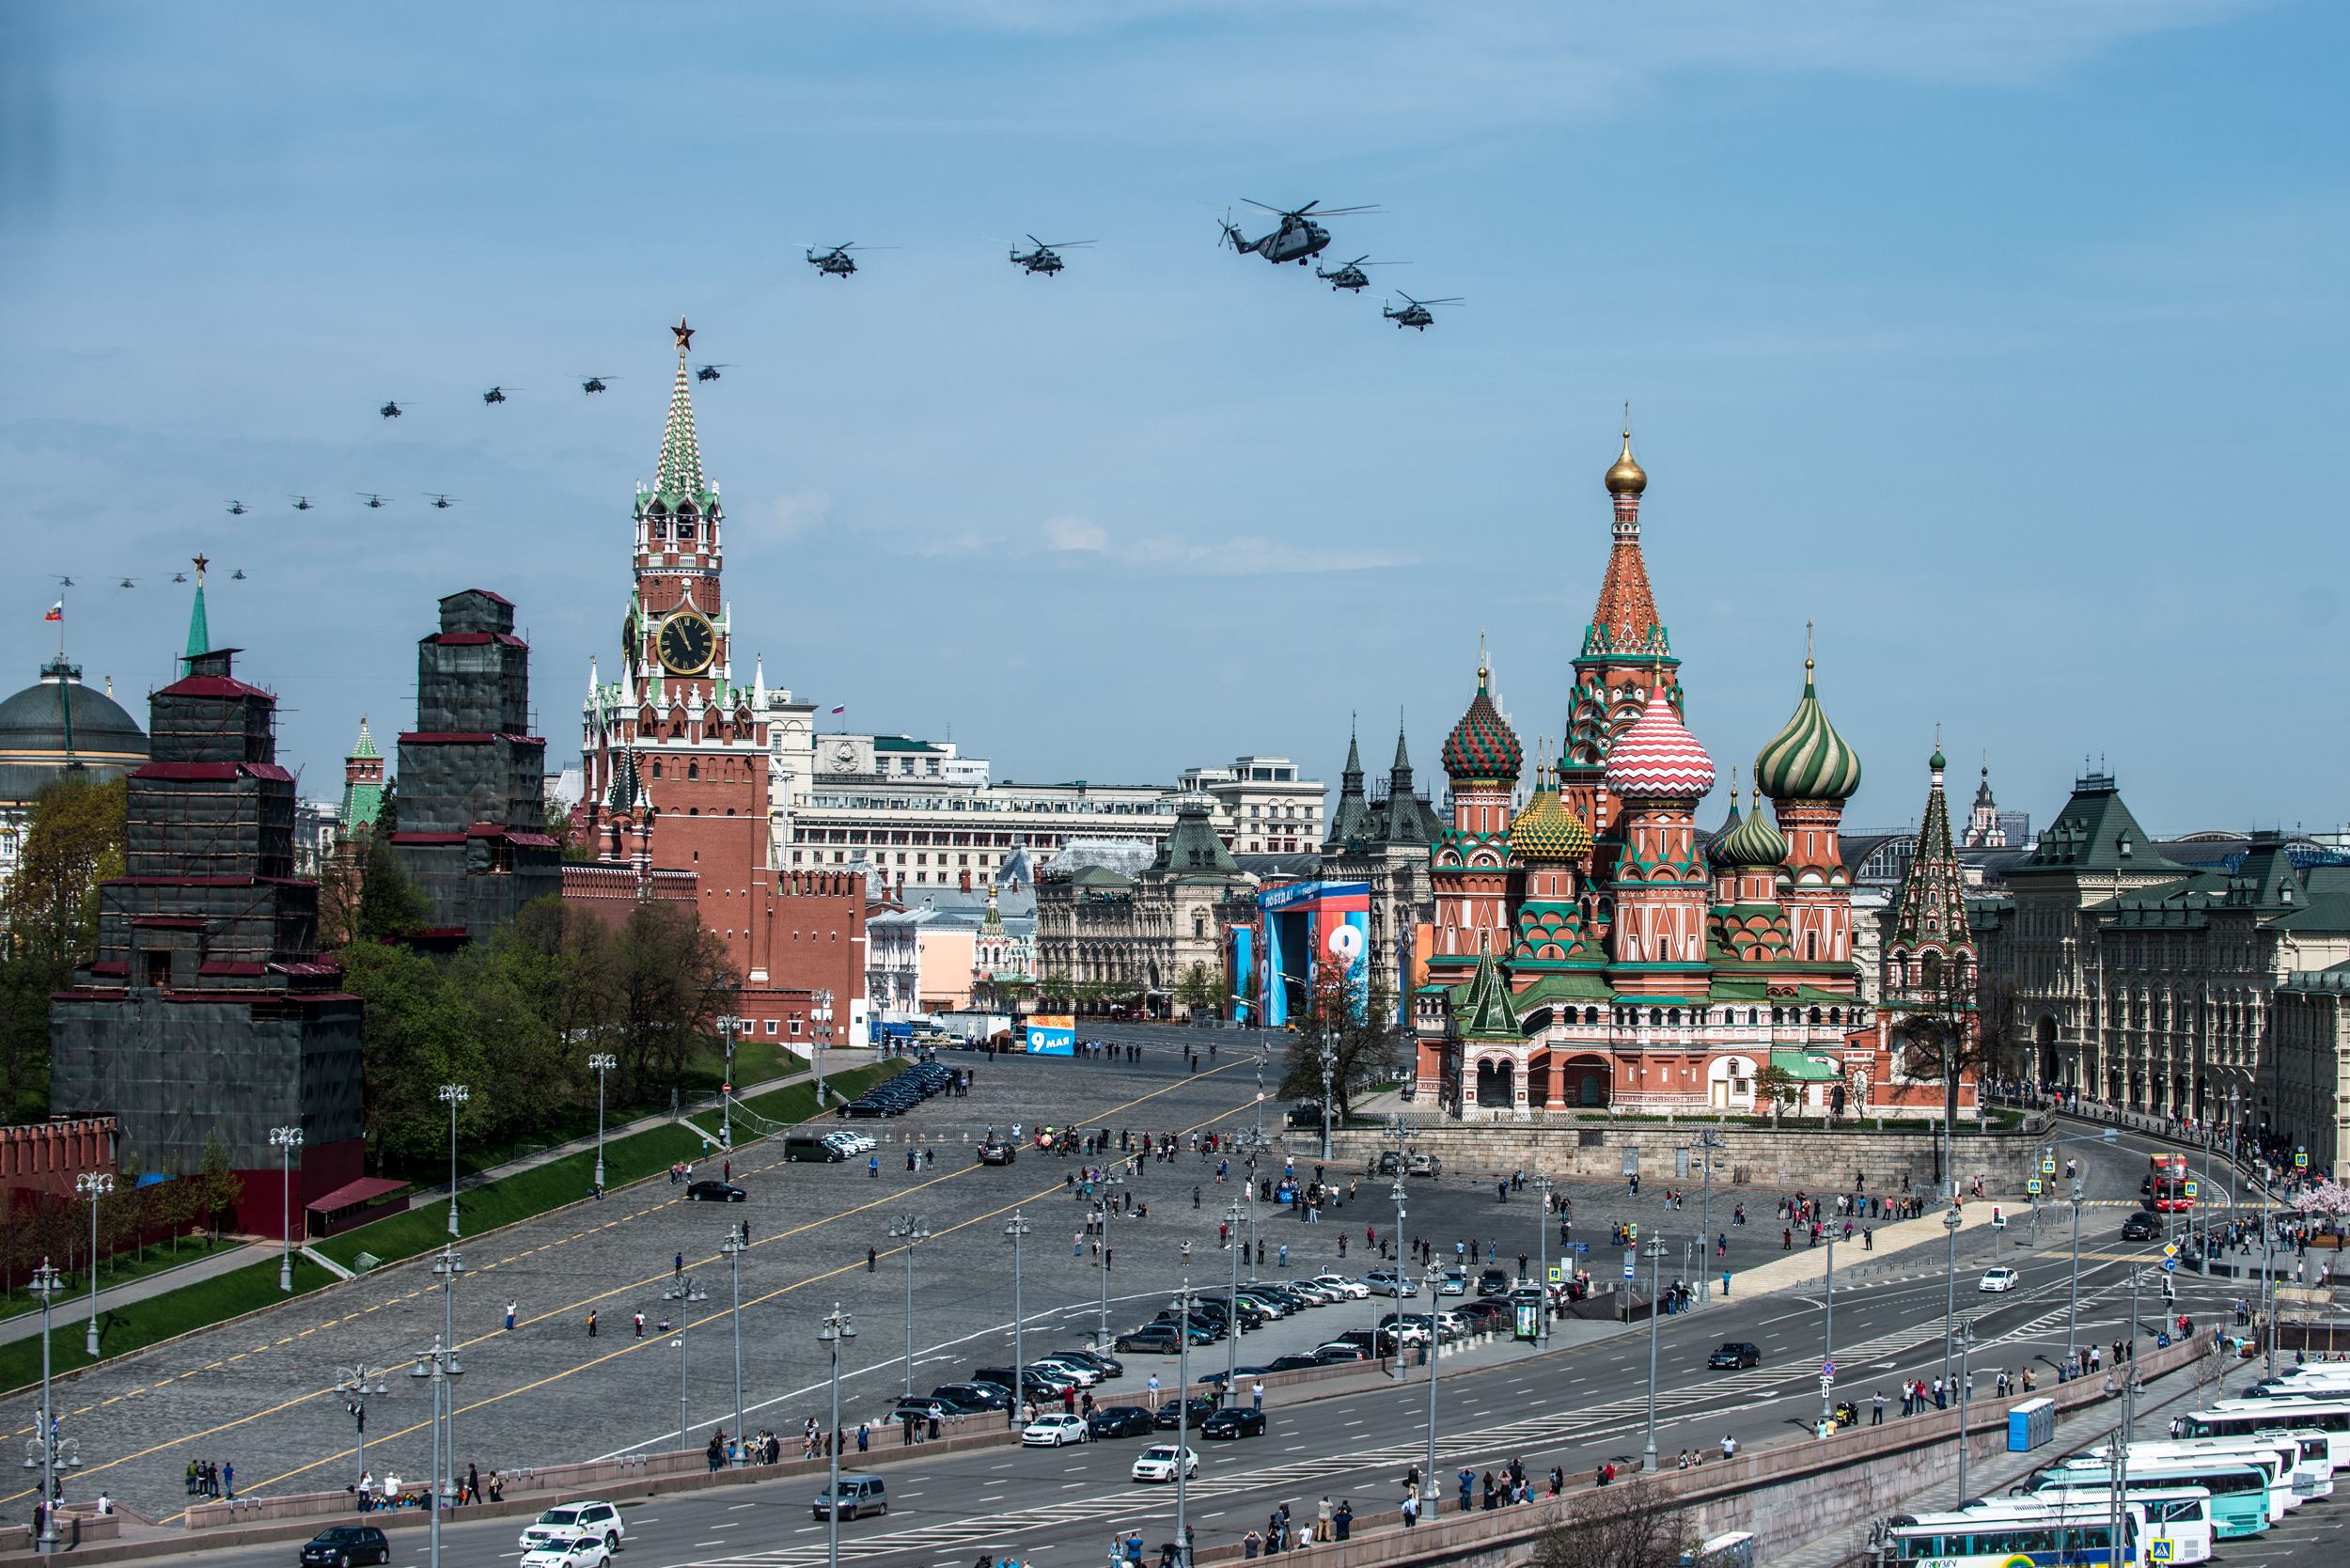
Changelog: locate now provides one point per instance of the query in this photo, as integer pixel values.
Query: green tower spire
(200, 633)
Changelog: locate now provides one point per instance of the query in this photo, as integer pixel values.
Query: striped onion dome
(1808, 759)
(1482, 746)
(1754, 841)
(1547, 830)
(1657, 757)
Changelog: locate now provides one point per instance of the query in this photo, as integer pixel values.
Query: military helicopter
(128, 582)
(1415, 313)
(302, 503)
(375, 500)
(390, 410)
(595, 383)
(1045, 258)
(497, 394)
(837, 262)
(709, 372)
(179, 576)
(442, 502)
(65, 582)
(1299, 237)
(238, 575)
(236, 509)
(1352, 274)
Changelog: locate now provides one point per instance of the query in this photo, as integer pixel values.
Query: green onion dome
(1808, 759)
(1749, 843)
(1547, 831)
(1482, 746)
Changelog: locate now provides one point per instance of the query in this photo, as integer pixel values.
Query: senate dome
(58, 724)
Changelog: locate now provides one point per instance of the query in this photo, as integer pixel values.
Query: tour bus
(1734, 1550)
(2165, 1185)
(2231, 1417)
(2240, 1487)
(2308, 1469)
(2178, 1523)
(2321, 1378)
(1988, 1537)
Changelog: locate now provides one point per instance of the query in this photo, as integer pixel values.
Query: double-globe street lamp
(453, 1095)
(96, 1187)
(1951, 1220)
(1401, 1278)
(355, 1384)
(1656, 1279)
(285, 1140)
(599, 1063)
(1232, 1339)
(1105, 1206)
(1015, 1230)
(912, 1230)
(437, 1366)
(1542, 1186)
(687, 1292)
(54, 1453)
(446, 1268)
(737, 1243)
(1436, 1346)
(835, 1328)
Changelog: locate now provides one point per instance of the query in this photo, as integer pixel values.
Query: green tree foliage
(390, 903)
(221, 1186)
(1356, 1032)
(73, 842)
(1198, 990)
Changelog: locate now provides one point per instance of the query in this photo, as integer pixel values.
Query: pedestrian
(510, 1307)
(872, 1166)
(229, 1481)
(1876, 1408)
(473, 1482)
(1256, 1392)
(1411, 1512)
(864, 1436)
(591, 1322)
(1725, 1284)
(679, 1270)
(638, 1319)
(872, 1258)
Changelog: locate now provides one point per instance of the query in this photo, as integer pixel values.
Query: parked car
(1388, 1164)
(1495, 1282)
(1353, 1290)
(1999, 1279)
(1079, 1372)
(1240, 1423)
(1109, 1366)
(1455, 1282)
(1386, 1281)
(1154, 1339)
(564, 1551)
(1051, 1431)
(974, 1396)
(1426, 1164)
(999, 1152)
(715, 1192)
(1122, 1420)
(1340, 1353)
(1297, 1360)
(857, 1496)
(1736, 1353)
(597, 1518)
(346, 1546)
(813, 1150)
(925, 1408)
(1157, 1463)
(1201, 1407)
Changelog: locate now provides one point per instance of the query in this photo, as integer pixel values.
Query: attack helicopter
(836, 261)
(302, 503)
(594, 384)
(709, 372)
(1045, 258)
(441, 502)
(236, 509)
(390, 410)
(1299, 237)
(495, 394)
(1351, 275)
(374, 501)
(1415, 313)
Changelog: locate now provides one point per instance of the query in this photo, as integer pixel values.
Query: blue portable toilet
(2030, 1424)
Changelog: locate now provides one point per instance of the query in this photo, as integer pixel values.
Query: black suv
(346, 1545)
(2141, 1226)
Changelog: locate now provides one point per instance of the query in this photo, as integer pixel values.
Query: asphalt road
(1572, 1407)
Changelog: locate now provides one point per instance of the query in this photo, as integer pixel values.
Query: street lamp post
(1102, 1250)
(453, 1095)
(1827, 1341)
(286, 1139)
(733, 1249)
(1966, 1348)
(835, 1328)
(1707, 1143)
(46, 1284)
(1951, 1220)
(1397, 1192)
(1231, 1340)
(437, 1366)
(727, 1023)
(687, 1292)
(355, 1384)
(912, 1230)
(446, 1268)
(1542, 1186)
(1182, 1419)
(600, 1062)
(1656, 1279)
(1435, 1347)
(95, 1186)
(2072, 1302)
(1015, 1229)
(819, 1013)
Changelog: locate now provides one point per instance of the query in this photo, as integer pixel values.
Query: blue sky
(2003, 340)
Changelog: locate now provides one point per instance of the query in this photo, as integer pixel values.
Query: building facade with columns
(1586, 952)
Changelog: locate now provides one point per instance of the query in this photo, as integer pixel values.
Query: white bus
(2308, 1466)
(2223, 1475)
(2235, 1417)
(1986, 1537)
(2178, 1519)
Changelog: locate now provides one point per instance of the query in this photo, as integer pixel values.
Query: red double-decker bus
(2165, 1185)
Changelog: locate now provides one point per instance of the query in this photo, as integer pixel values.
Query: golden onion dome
(1547, 830)
(1626, 477)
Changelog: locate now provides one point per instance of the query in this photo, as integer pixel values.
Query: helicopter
(236, 509)
(497, 394)
(595, 383)
(302, 503)
(65, 582)
(1352, 274)
(179, 576)
(709, 372)
(128, 582)
(1415, 313)
(443, 502)
(1299, 237)
(1045, 258)
(373, 499)
(390, 410)
(238, 575)
(837, 262)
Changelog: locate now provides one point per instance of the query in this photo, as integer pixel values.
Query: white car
(1455, 1282)
(1157, 1463)
(1076, 1371)
(599, 1519)
(568, 1551)
(1050, 1432)
(1353, 1290)
(1386, 1281)
(851, 1143)
(2002, 1278)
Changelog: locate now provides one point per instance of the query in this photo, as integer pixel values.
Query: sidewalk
(226, 1259)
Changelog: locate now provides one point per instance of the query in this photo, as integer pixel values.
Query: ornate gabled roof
(1486, 1012)
(621, 796)
(1931, 908)
(1657, 757)
(1624, 623)
(2096, 832)
(1483, 747)
(1808, 759)
(1351, 823)
(1546, 831)
(1751, 843)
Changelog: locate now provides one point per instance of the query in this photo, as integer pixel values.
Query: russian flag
(56, 612)
(842, 709)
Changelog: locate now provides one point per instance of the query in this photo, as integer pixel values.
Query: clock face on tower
(687, 644)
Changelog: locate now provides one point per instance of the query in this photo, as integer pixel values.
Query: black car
(2140, 1226)
(1151, 1341)
(1202, 1406)
(1485, 1313)
(1297, 1360)
(1233, 1423)
(716, 1192)
(1120, 1420)
(974, 1396)
(1736, 1353)
(1495, 1282)
(346, 1545)
(925, 1408)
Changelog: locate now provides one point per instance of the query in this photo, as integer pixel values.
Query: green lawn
(112, 1272)
(123, 1329)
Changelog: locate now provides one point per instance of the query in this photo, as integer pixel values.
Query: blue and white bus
(2307, 1468)
(1987, 1537)
(2242, 1417)
(2246, 1498)
(2178, 1519)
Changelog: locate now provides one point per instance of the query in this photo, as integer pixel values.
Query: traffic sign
(1558, 1274)
(2032, 1186)
(1632, 1232)
(1827, 1369)
(2301, 1159)
(2161, 1549)
(2169, 1265)
(1583, 1249)
(1627, 1268)
(2170, 1249)
(2191, 1187)
(2048, 1166)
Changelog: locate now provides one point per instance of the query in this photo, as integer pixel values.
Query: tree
(1198, 990)
(390, 903)
(1955, 1032)
(1775, 1086)
(1634, 1525)
(1357, 1033)
(221, 1186)
(74, 843)
(672, 979)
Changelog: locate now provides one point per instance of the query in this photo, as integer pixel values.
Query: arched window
(693, 770)
(656, 767)
(1655, 1017)
(1815, 1016)
(1811, 945)
(1672, 1016)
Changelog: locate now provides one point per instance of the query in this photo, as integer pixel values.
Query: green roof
(1486, 1012)
(901, 742)
(2094, 832)
(1804, 1066)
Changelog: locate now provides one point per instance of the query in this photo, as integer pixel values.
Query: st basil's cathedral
(1591, 949)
